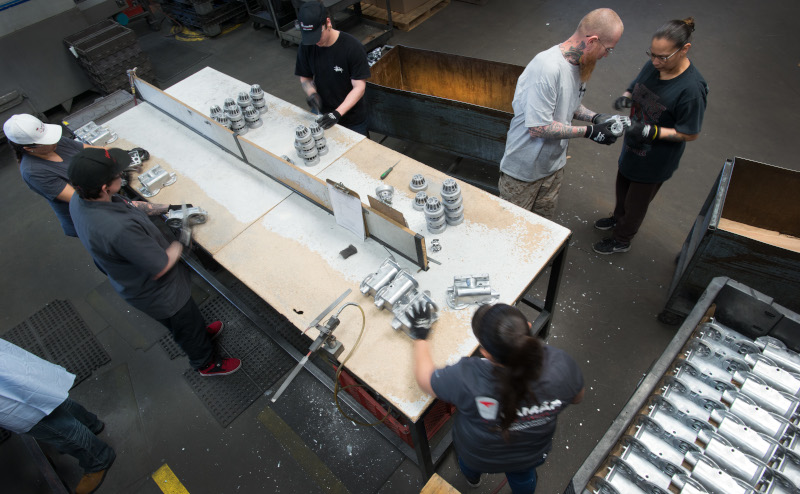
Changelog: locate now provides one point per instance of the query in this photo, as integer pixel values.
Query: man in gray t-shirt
(548, 97)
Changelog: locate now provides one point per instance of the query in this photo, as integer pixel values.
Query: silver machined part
(754, 443)
(394, 292)
(716, 367)
(470, 289)
(95, 135)
(252, 117)
(305, 145)
(756, 417)
(725, 337)
(380, 278)
(697, 382)
(773, 375)
(234, 113)
(661, 442)
(229, 103)
(260, 105)
(316, 131)
(437, 230)
(402, 311)
(454, 221)
(776, 350)
(459, 201)
(435, 245)
(733, 461)
(256, 92)
(286, 158)
(308, 153)
(136, 162)
(676, 423)
(322, 147)
(767, 397)
(624, 478)
(385, 193)
(713, 478)
(215, 110)
(620, 124)
(450, 190)
(436, 222)
(194, 214)
(688, 402)
(418, 183)
(154, 180)
(311, 161)
(454, 212)
(243, 100)
(688, 485)
(647, 465)
(433, 208)
(223, 119)
(788, 464)
(419, 201)
(302, 134)
(239, 126)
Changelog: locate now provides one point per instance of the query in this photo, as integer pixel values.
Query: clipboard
(347, 208)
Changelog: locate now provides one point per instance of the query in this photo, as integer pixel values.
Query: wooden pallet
(407, 21)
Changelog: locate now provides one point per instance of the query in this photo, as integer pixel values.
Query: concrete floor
(606, 316)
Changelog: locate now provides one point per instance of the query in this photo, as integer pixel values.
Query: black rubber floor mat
(58, 334)
(167, 342)
(169, 56)
(263, 364)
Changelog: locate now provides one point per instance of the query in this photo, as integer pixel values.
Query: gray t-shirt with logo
(471, 387)
(549, 90)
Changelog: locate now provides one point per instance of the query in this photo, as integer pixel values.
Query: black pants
(633, 199)
(189, 331)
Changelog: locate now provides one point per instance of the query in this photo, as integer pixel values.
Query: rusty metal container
(748, 230)
(458, 104)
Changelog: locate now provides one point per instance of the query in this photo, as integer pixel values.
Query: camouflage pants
(540, 196)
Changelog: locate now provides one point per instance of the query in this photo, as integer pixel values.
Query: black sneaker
(611, 246)
(605, 223)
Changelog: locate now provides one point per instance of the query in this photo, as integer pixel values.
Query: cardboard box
(400, 6)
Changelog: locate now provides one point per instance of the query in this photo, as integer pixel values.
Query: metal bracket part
(380, 278)
(95, 135)
(385, 193)
(154, 179)
(396, 291)
(194, 215)
(402, 310)
(470, 289)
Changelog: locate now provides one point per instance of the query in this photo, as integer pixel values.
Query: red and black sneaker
(214, 329)
(221, 367)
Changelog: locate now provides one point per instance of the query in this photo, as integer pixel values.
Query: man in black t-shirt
(333, 69)
(142, 266)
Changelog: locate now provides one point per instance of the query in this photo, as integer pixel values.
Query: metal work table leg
(541, 325)
(422, 448)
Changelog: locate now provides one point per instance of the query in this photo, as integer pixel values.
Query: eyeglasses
(661, 57)
(609, 51)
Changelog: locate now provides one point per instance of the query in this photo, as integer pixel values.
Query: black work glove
(641, 133)
(143, 154)
(315, 102)
(601, 118)
(177, 207)
(328, 120)
(601, 133)
(421, 320)
(623, 102)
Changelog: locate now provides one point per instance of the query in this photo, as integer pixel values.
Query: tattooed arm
(150, 209)
(558, 130)
(584, 114)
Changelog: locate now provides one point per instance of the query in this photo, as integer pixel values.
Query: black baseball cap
(95, 167)
(312, 17)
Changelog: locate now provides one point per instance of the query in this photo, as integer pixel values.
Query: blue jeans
(70, 429)
(522, 482)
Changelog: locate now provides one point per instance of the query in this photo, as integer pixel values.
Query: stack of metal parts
(207, 15)
(453, 202)
(725, 421)
(242, 113)
(310, 143)
(419, 184)
(434, 215)
(106, 51)
(234, 113)
(395, 288)
(257, 96)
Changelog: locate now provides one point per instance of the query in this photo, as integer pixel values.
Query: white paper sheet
(347, 211)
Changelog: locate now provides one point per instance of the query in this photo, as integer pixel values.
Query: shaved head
(604, 23)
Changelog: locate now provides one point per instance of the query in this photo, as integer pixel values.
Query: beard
(587, 67)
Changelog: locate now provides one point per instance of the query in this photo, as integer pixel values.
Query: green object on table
(387, 172)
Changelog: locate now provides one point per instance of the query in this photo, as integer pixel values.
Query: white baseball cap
(27, 129)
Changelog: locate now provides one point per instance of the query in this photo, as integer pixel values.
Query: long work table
(287, 249)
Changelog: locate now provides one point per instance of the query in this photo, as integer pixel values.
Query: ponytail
(679, 32)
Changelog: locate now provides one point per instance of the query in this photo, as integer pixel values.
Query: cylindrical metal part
(418, 183)
(244, 100)
(286, 158)
(390, 294)
(252, 117)
(454, 221)
(450, 190)
(223, 119)
(437, 231)
(322, 147)
(419, 201)
(316, 131)
(380, 278)
(215, 110)
(229, 103)
(302, 134)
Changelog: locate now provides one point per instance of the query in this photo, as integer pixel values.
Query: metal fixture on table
(418, 183)
(257, 95)
(391, 294)
(385, 193)
(252, 117)
(243, 100)
(95, 135)
(435, 245)
(154, 179)
(434, 215)
(194, 216)
(380, 278)
(238, 123)
(470, 289)
(419, 201)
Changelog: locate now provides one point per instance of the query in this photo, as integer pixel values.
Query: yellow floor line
(167, 481)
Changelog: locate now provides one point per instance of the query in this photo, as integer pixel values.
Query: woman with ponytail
(667, 101)
(507, 401)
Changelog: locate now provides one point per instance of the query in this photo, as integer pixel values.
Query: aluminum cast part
(229, 103)
(418, 183)
(769, 398)
(756, 417)
(403, 310)
(647, 465)
(419, 201)
(380, 278)
(316, 131)
(713, 478)
(302, 134)
(435, 245)
(154, 179)
(661, 442)
(385, 193)
(450, 190)
(773, 375)
(286, 158)
(223, 120)
(215, 110)
(624, 479)
(252, 117)
(95, 135)
(620, 124)
(322, 146)
(243, 100)
(470, 289)
(775, 350)
(194, 214)
(735, 462)
(393, 293)
(257, 95)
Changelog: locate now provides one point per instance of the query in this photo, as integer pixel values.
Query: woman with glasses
(43, 155)
(667, 101)
(507, 401)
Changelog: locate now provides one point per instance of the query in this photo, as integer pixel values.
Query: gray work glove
(315, 102)
(601, 118)
(328, 120)
(623, 102)
(421, 320)
(601, 133)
